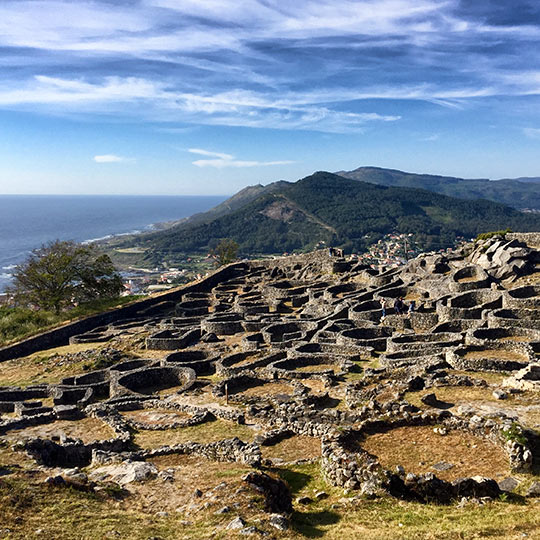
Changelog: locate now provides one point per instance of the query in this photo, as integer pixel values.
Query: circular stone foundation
(419, 450)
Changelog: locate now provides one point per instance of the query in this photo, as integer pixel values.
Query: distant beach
(28, 221)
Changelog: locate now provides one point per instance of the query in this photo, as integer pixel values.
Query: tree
(225, 252)
(63, 273)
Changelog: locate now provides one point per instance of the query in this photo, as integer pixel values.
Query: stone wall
(60, 336)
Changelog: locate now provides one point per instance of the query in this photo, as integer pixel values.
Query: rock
(162, 514)
(224, 510)
(167, 475)
(442, 466)
(320, 495)
(236, 523)
(477, 486)
(210, 338)
(304, 500)
(508, 484)
(430, 400)
(534, 490)
(125, 472)
(249, 530)
(499, 394)
(197, 493)
(67, 412)
(276, 493)
(55, 480)
(279, 522)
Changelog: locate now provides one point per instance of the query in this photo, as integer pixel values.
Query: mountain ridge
(520, 193)
(339, 211)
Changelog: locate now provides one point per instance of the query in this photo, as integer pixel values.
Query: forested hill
(342, 212)
(519, 192)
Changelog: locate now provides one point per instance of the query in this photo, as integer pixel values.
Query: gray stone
(442, 466)
(279, 522)
(499, 394)
(508, 484)
(224, 510)
(125, 472)
(236, 523)
(534, 490)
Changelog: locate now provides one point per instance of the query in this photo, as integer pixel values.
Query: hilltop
(339, 211)
(520, 193)
(285, 398)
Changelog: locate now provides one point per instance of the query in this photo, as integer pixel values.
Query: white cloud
(351, 50)
(202, 152)
(223, 161)
(110, 158)
(533, 133)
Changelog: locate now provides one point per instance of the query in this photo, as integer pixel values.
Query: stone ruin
(298, 347)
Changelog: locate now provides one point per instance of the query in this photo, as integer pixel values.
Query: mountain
(519, 193)
(528, 179)
(339, 211)
(237, 201)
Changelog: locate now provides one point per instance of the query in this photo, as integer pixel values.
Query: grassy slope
(19, 323)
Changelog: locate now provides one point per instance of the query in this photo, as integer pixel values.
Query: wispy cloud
(222, 161)
(533, 133)
(111, 158)
(311, 65)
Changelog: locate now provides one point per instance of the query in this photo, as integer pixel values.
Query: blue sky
(208, 96)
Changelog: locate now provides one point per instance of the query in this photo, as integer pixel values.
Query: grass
(46, 368)
(202, 433)
(491, 377)
(457, 395)
(297, 447)
(30, 509)
(156, 416)
(87, 429)
(417, 448)
(267, 389)
(498, 354)
(20, 323)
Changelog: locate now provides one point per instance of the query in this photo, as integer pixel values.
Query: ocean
(28, 221)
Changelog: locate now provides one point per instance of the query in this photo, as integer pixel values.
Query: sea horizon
(29, 221)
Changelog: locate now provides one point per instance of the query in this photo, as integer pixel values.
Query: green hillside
(341, 212)
(519, 193)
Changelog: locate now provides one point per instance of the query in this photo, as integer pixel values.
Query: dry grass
(417, 448)
(467, 279)
(525, 406)
(517, 338)
(297, 447)
(316, 386)
(41, 368)
(155, 416)
(28, 506)
(491, 377)
(497, 354)
(191, 473)
(202, 433)
(86, 429)
(317, 368)
(268, 389)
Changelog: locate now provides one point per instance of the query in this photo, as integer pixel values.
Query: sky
(193, 97)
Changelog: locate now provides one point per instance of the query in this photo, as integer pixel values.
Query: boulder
(277, 495)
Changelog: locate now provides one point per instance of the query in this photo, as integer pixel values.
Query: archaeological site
(276, 399)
